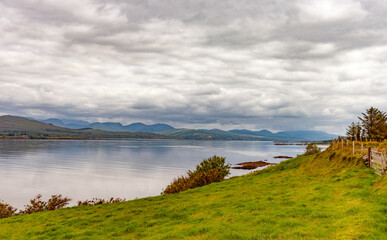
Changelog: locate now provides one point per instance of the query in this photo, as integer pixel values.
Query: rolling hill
(67, 123)
(302, 135)
(108, 126)
(134, 127)
(200, 134)
(263, 135)
(203, 134)
(11, 126)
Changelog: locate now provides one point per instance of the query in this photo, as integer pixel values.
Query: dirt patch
(252, 165)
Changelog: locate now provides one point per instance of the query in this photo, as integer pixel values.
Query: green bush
(210, 170)
(311, 149)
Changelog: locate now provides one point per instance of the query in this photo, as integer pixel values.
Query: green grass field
(328, 196)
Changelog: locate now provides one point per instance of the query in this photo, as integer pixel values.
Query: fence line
(377, 160)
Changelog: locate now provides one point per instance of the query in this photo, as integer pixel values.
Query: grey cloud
(260, 64)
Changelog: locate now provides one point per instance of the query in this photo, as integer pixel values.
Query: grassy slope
(331, 196)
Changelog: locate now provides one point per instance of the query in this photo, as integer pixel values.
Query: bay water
(84, 169)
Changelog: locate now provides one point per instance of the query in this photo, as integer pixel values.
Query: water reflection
(120, 168)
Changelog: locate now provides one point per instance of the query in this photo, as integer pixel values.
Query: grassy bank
(329, 196)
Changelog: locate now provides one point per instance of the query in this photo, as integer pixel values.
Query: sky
(259, 64)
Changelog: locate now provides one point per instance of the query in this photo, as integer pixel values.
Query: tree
(374, 123)
(311, 149)
(354, 131)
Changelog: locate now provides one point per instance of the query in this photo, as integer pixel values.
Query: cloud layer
(256, 64)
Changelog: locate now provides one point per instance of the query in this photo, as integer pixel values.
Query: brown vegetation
(54, 203)
(98, 201)
(6, 210)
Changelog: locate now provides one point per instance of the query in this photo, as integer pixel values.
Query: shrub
(210, 170)
(37, 205)
(178, 184)
(54, 203)
(214, 162)
(6, 210)
(204, 178)
(97, 201)
(57, 202)
(311, 149)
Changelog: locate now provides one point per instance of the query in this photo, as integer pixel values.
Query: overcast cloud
(273, 64)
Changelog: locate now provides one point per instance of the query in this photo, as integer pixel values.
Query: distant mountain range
(134, 127)
(77, 128)
(303, 135)
(19, 127)
(67, 123)
(204, 134)
(108, 126)
(263, 135)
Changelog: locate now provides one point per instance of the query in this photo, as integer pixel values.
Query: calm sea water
(120, 168)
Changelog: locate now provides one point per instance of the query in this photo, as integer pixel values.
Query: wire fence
(374, 156)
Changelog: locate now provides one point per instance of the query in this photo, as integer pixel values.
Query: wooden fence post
(384, 162)
(342, 143)
(353, 146)
(361, 148)
(369, 157)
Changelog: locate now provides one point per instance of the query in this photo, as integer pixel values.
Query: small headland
(290, 143)
(252, 165)
(284, 157)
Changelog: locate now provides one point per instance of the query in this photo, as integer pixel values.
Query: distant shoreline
(79, 138)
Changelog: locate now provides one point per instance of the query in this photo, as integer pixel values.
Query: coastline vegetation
(54, 203)
(311, 149)
(213, 169)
